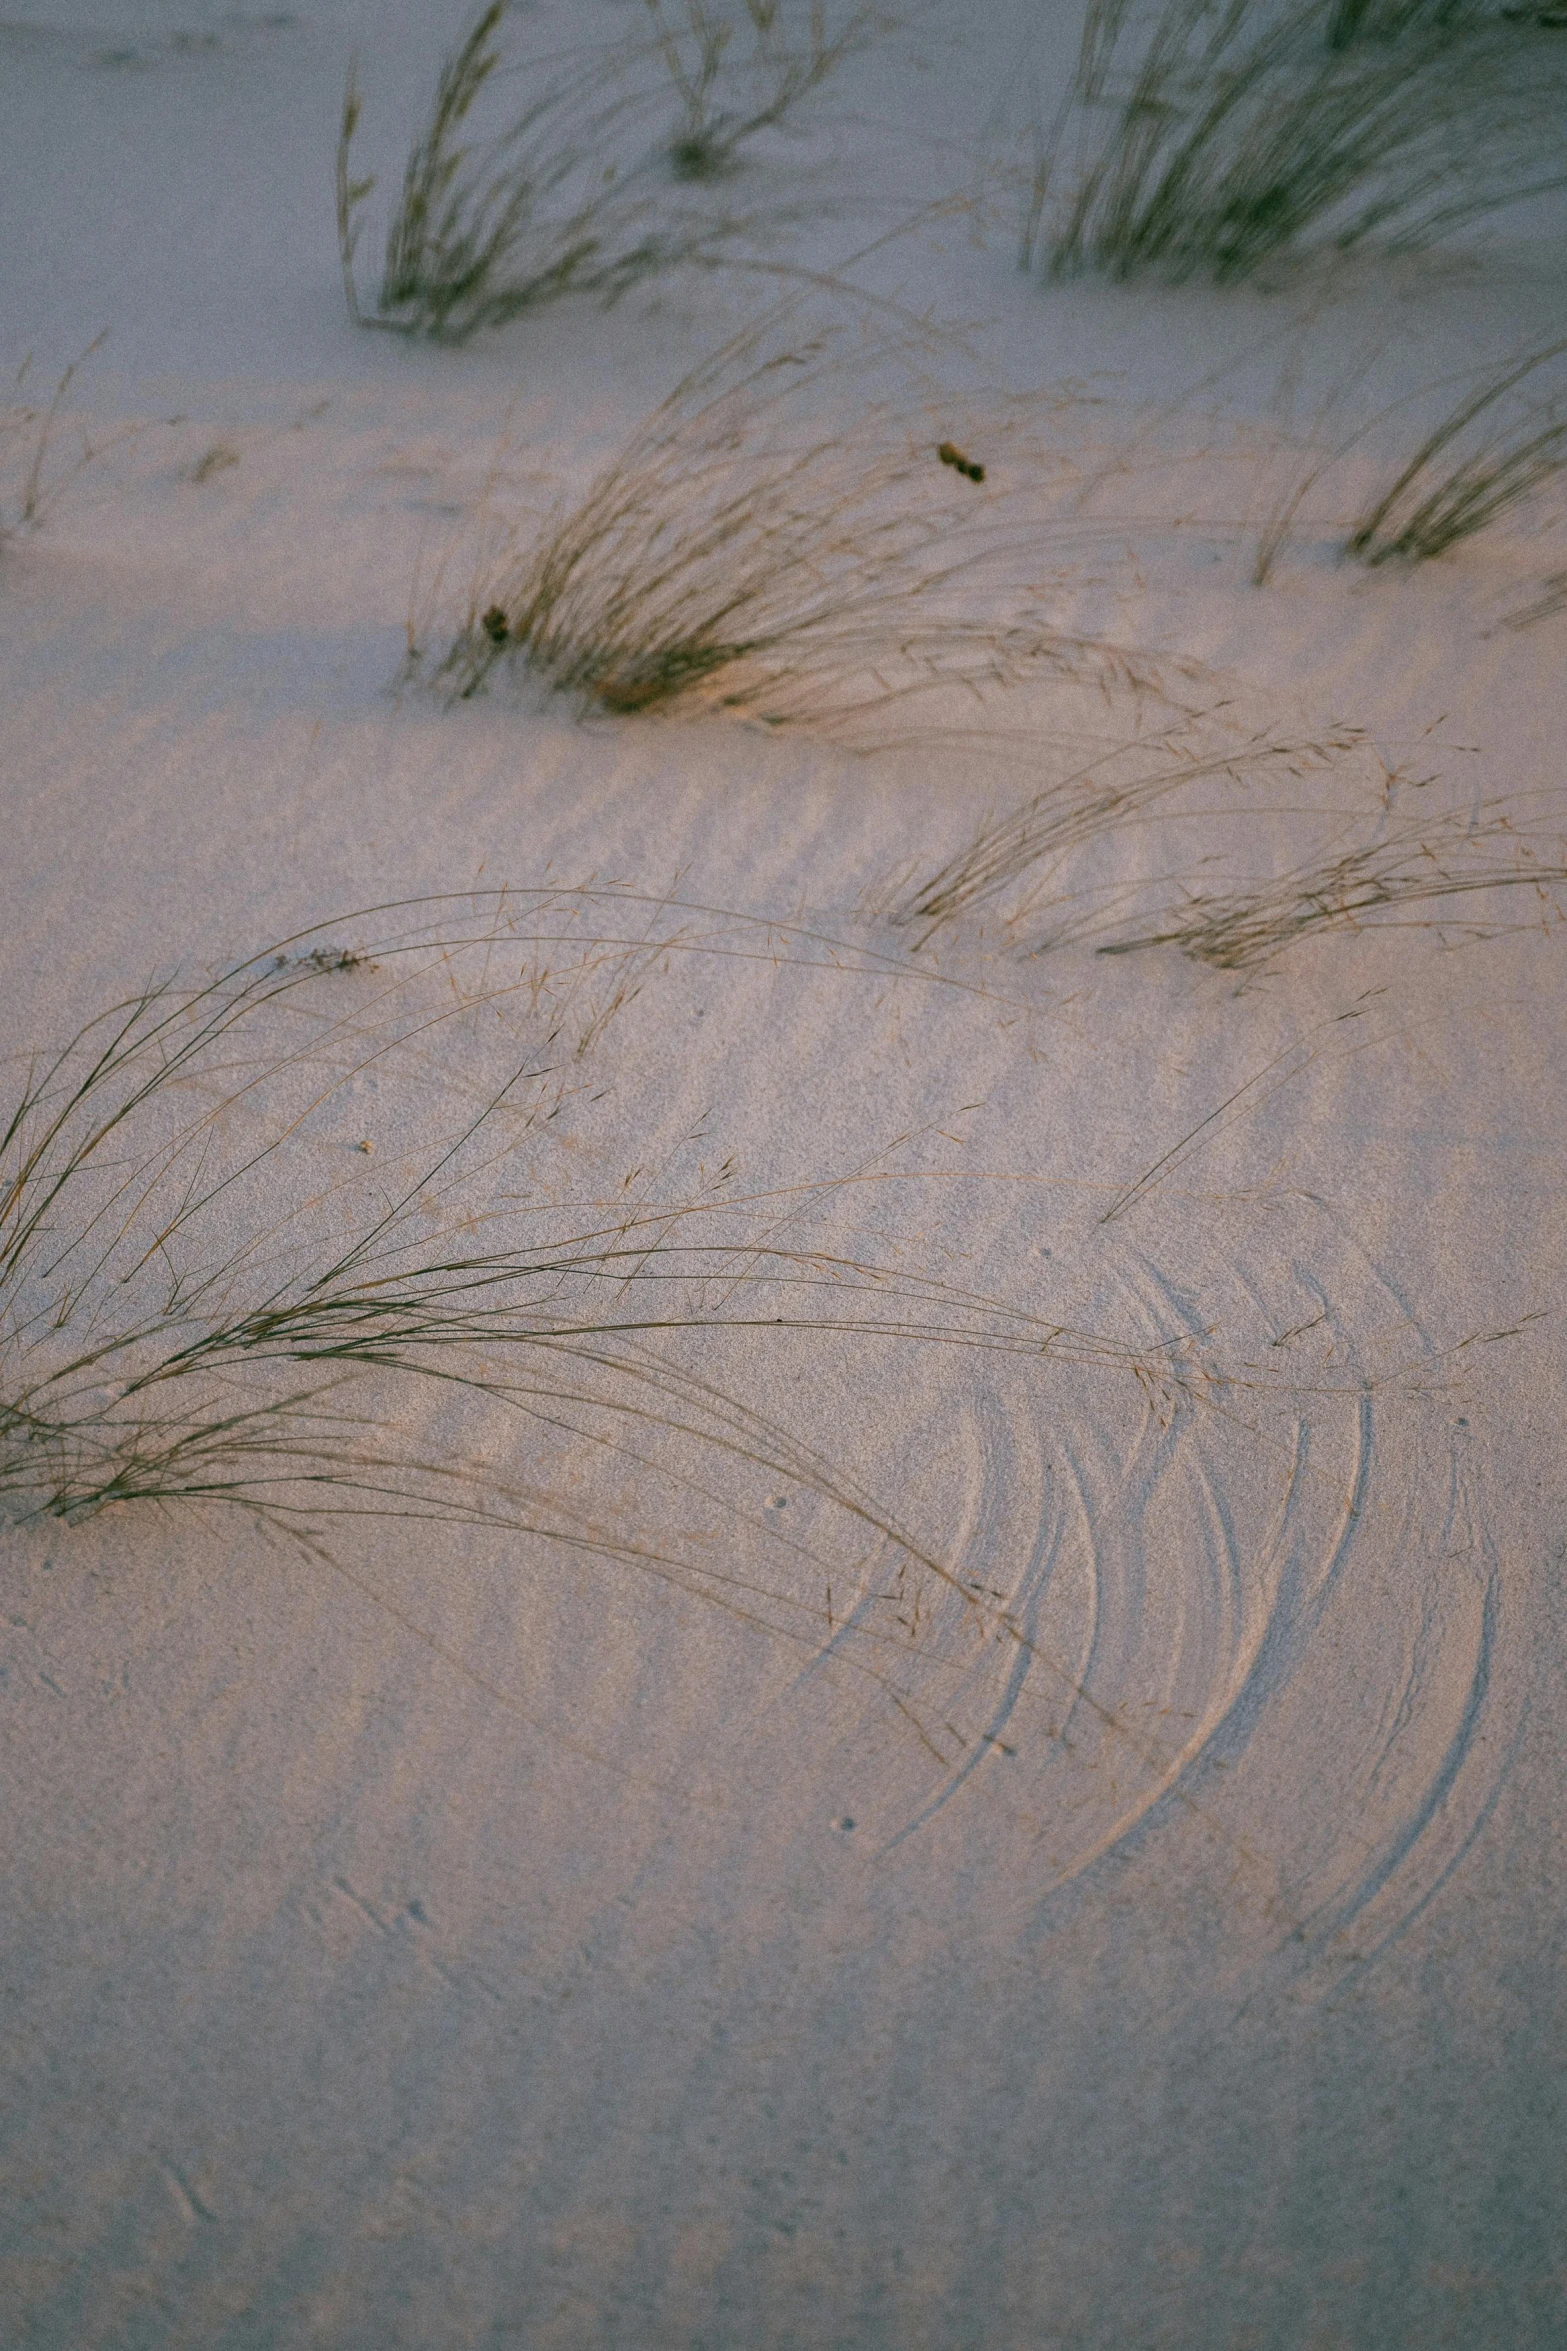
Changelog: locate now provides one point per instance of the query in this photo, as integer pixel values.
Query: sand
(1059, 1847)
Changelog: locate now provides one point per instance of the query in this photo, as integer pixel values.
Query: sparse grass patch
(1490, 454)
(731, 89)
(32, 474)
(1031, 845)
(1551, 600)
(1414, 865)
(1021, 866)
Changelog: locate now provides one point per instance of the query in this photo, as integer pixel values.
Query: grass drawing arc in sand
(189, 1320)
(181, 1312)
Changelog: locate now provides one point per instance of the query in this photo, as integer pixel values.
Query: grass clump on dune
(1488, 455)
(486, 230)
(1032, 844)
(1349, 21)
(788, 534)
(590, 185)
(282, 1241)
(1203, 142)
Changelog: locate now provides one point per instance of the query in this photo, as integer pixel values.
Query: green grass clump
(1350, 21)
(729, 89)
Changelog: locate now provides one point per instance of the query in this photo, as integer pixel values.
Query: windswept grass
(1029, 847)
(589, 185)
(487, 228)
(1461, 478)
(1205, 142)
(1025, 868)
(1551, 600)
(795, 533)
(229, 1277)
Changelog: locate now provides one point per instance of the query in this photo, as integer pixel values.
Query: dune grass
(794, 533)
(1019, 866)
(1030, 845)
(1207, 142)
(1488, 455)
(488, 228)
(229, 1278)
(1434, 866)
(592, 184)
(32, 475)
(1551, 600)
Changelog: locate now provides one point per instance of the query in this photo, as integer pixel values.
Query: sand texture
(870, 1655)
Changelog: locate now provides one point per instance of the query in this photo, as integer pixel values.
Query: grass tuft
(1020, 865)
(785, 535)
(1415, 865)
(729, 91)
(1031, 844)
(1460, 480)
(1203, 142)
(1349, 21)
(1551, 600)
(580, 190)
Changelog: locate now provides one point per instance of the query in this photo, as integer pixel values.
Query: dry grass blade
(210, 1295)
(1232, 136)
(28, 484)
(785, 536)
(1032, 842)
(1458, 482)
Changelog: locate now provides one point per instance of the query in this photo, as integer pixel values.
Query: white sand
(465, 1944)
